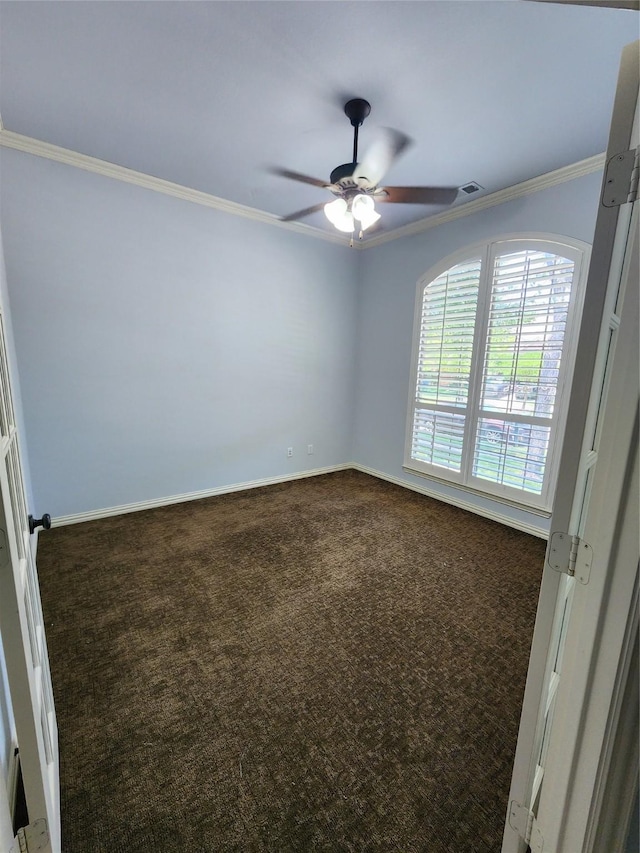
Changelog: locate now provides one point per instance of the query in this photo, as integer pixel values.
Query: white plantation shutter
(516, 458)
(489, 366)
(446, 335)
(437, 438)
(528, 310)
(445, 345)
(527, 320)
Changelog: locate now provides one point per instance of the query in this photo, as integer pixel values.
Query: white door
(23, 637)
(547, 682)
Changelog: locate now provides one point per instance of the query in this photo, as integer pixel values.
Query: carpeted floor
(331, 664)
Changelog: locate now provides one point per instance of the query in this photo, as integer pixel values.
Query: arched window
(493, 352)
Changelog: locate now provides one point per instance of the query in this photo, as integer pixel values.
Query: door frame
(604, 619)
(22, 626)
(607, 257)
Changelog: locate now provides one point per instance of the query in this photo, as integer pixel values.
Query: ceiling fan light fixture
(346, 224)
(335, 210)
(364, 210)
(338, 214)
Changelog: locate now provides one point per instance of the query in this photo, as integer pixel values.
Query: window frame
(486, 251)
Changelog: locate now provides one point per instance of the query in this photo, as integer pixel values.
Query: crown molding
(28, 145)
(533, 185)
(9, 139)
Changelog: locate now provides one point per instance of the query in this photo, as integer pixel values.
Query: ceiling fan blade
(300, 214)
(380, 155)
(418, 195)
(297, 176)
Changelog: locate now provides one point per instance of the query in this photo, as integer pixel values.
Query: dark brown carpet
(332, 664)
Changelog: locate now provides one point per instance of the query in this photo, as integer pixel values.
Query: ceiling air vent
(470, 188)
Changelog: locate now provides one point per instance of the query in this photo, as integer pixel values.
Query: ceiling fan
(357, 185)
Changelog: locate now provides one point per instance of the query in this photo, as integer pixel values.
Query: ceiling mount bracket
(356, 110)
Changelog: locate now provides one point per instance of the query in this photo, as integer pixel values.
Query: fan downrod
(356, 110)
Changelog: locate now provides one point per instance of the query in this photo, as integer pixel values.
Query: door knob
(45, 522)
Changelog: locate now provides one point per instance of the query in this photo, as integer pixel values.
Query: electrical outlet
(289, 452)
(309, 449)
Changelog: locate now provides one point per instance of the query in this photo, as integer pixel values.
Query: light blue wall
(167, 348)
(387, 290)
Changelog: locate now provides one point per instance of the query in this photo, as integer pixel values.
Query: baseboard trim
(458, 502)
(109, 512)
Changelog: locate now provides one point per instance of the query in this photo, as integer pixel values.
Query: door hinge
(570, 555)
(621, 178)
(33, 838)
(524, 822)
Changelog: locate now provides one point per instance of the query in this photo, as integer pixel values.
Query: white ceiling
(210, 95)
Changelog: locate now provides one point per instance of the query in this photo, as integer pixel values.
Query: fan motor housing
(340, 172)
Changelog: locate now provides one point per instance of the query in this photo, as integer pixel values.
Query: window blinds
(446, 336)
(492, 422)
